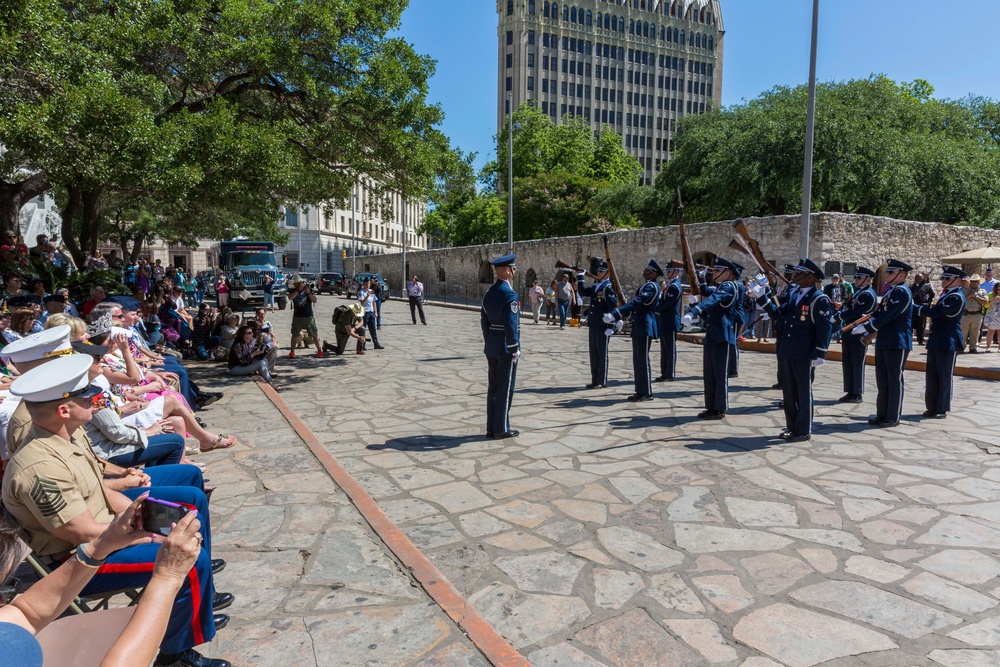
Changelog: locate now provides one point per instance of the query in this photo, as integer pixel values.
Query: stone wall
(464, 274)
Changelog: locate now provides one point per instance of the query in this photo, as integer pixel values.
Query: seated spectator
(227, 334)
(54, 303)
(97, 295)
(202, 340)
(33, 610)
(4, 325)
(22, 321)
(70, 307)
(54, 490)
(36, 287)
(178, 305)
(12, 287)
(249, 355)
(97, 261)
(267, 329)
(348, 324)
(115, 262)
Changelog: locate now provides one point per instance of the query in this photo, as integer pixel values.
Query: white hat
(45, 344)
(65, 377)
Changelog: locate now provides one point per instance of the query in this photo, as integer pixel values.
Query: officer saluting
(944, 342)
(643, 310)
(602, 301)
(668, 312)
(501, 321)
(893, 344)
(718, 316)
(853, 347)
(806, 328)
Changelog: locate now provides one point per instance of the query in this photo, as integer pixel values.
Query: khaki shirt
(49, 482)
(17, 428)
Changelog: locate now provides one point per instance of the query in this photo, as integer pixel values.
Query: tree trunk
(133, 257)
(68, 213)
(13, 196)
(90, 230)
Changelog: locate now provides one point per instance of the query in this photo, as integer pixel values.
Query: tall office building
(636, 66)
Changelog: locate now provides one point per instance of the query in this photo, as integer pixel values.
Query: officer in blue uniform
(668, 313)
(944, 342)
(740, 321)
(717, 312)
(501, 321)
(806, 329)
(643, 311)
(892, 323)
(602, 301)
(853, 348)
(784, 292)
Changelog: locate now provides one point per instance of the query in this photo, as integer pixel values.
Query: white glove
(608, 318)
(859, 330)
(619, 325)
(761, 279)
(580, 276)
(692, 299)
(516, 355)
(758, 290)
(687, 319)
(610, 331)
(818, 362)
(764, 317)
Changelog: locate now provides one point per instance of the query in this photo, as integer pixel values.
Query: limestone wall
(463, 273)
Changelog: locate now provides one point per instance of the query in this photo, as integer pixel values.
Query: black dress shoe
(711, 414)
(644, 397)
(204, 400)
(671, 379)
(781, 404)
(633, 398)
(786, 434)
(489, 435)
(218, 565)
(888, 423)
(509, 434)
(874, 421)
(734, 375)
(191, 658)
(846, 398)
(221, 621)
(939, 415)
(927, 413)
(798, 437)
(662, 378)
(776, 385)
(222, 601)
(595, 385)
(856, 398)
(380, 347)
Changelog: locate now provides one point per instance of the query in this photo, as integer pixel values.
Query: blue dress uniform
(943, 344)
(783, 294)
(806, 329)
(892, 323)
(642, 308)
(718, 315)
(853, 348)
(501, 322)
(739, 321)
(602, 301)
(668, 313)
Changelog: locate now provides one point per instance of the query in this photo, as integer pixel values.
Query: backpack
(338, 311)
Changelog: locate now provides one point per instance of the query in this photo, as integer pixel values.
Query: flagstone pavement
(608, 533)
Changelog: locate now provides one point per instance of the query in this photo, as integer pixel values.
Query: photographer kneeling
(348, 324)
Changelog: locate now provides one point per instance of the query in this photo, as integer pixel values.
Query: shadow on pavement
(427, 443)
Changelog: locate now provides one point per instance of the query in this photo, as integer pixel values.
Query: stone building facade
(838, 242)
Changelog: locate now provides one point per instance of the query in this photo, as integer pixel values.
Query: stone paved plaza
(608, 533)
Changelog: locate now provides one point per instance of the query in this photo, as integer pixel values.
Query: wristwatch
(89, 561)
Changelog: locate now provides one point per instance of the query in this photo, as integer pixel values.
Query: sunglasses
(9, 591)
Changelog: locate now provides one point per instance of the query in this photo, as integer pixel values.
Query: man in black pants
(854, 350)
(668, 311)
(944, 341)
(415, 291)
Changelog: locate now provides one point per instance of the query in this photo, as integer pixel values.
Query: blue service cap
(953, 272)
(897, 265)
(598, 264)
(24, 300)
(54, 298)
(653, 266)
(788, 269)
(125, 302)
(806, 265)
(864, 271)
(724, 264)
(506, 260)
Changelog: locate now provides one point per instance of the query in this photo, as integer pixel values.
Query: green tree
(881, 148)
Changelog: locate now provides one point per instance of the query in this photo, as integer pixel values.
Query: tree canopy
(882, 148)
(208, 116)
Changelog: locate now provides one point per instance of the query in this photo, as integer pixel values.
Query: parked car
(354, 285)
(331, 283)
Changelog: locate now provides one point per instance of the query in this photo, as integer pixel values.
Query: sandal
(221, 442)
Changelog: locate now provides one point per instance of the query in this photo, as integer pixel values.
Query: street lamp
(807, 169)
(402, 287)
(511, 126)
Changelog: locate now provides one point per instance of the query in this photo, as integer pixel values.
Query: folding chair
(82, 641)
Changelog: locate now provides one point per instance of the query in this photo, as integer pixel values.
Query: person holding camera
(248, 355)
(303, 318)
(415, 291)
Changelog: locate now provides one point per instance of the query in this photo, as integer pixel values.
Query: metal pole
(807, 170)
(402, 286)
(298, 213)
(510, 174)
(354, 238)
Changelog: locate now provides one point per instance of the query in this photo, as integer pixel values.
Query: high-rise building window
(510, 37)
(510, 60)
(531, 38)
(545, 85)
(531, 60)
(531, 83)
(510, 7)
(531, 7)
(545, 10)
(510, 83)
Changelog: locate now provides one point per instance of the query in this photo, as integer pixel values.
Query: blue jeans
(372, 326)
(164, 449)
(202, 351)
(563, 312)
(268, 299)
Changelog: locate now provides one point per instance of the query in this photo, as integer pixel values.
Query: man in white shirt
(177, 296)
(989, 281)
(415, 290)
(368, 299)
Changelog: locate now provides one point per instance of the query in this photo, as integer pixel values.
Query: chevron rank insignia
(47, 497)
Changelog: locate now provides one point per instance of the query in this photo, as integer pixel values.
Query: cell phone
(159, 515)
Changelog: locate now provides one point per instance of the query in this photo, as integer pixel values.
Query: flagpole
(807, 169)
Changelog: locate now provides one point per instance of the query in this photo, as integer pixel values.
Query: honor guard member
(806, 329)
(668, 313)
(602, 301)
(944, 342)
(718, 318)
(642, 308)
(739, 321)
(854, 349)
(53, 488)
(501, 321)
(892, 345)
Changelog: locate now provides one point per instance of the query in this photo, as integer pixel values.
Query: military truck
(245, 263)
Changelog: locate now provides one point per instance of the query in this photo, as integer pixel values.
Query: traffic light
(343, 253)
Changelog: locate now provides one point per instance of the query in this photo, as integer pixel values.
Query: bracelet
(89, 561)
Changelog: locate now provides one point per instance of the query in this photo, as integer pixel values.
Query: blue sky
(951, 44)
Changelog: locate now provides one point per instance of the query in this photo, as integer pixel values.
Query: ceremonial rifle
(575, 269)
(617, 286)
(688, 260)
